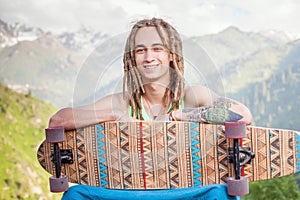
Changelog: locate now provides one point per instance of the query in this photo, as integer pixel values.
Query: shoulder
(198, 96)
(195, 88)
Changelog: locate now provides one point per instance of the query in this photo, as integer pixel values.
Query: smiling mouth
(150, 66)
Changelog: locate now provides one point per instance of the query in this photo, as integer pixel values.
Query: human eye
(139, 50)
(158, 48)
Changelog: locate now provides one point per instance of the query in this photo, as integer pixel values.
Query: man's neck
(154, 93)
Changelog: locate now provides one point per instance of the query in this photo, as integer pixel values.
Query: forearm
(71, 118)
(221, 111)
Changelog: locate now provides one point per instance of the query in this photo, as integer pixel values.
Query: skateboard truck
(244, 154)
(61, 156)
(59, 182)
(239, 156)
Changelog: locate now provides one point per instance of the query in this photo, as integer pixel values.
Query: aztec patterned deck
(166, 155)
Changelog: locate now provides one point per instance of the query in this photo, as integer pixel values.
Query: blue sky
(190, 17)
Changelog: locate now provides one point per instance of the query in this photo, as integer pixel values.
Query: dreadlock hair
(171, 40)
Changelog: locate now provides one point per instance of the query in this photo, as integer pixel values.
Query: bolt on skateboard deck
(167, 155)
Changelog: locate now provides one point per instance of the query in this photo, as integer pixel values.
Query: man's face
(152, 57)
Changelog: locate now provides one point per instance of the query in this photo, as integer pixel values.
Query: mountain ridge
(54, 72)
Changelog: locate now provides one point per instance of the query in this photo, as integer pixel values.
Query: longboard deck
(166, 155)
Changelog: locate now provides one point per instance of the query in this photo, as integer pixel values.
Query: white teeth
(150, 66)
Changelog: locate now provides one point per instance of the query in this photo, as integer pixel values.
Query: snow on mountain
(278, 36)
(11, 34)
(84, 40)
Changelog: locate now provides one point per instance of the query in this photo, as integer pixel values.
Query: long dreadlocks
(171, 40)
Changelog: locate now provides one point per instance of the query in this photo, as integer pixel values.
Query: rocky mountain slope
(44, 64)
(272, 89)
(11, 34)
(259, 71)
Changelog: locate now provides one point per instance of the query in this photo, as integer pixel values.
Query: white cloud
(190, 17)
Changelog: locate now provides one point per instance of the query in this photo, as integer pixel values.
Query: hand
(165, 117)
(123, 117)
(126, 118)
(215, 114)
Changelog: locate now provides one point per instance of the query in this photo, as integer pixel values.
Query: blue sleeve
(212, 192)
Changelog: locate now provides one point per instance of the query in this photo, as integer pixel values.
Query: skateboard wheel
(55, 134)
(58, 184)
(237, 187)
(235, 130)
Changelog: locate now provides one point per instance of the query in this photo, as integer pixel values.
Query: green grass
(23, 119)
(282, 188)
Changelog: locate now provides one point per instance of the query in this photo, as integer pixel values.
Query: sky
(189, 17)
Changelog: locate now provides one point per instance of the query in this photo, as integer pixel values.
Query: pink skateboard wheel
(55, 134)
(235, 130)
(238, 187)
(58, 184)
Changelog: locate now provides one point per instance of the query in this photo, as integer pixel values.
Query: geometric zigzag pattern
(101, 155)
(297, 151)
(196, 154)
(166, 155)
(277, 153)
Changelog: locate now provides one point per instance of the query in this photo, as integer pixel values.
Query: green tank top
(145, 114)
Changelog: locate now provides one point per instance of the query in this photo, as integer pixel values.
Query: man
(155, 90)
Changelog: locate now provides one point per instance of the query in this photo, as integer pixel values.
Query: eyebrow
(155, 44)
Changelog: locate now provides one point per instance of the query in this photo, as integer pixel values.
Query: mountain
(260, 71)
(255, 67)
(44, 64)
(271, 89)
(51, 65)
(238, 64)
(233, 44)
(278, 36)
(11, 34)
(22, 120)
(83, 41)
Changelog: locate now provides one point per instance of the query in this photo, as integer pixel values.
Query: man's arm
(109, 108)
(221, 111)
(71, 118)
(203, 105)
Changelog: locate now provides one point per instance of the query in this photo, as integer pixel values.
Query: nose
(149, 56)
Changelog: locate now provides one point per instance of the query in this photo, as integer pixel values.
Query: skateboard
(166, 155)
